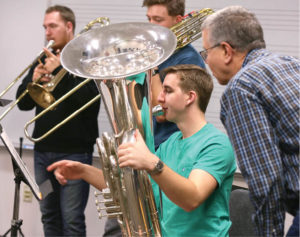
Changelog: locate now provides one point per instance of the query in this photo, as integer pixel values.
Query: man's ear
(228, 52)
(179, 18)
(192, 96)
(70, 26)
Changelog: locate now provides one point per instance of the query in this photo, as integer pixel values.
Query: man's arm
(259, 158)
(26, 103)
(72, 170)
(188, 193)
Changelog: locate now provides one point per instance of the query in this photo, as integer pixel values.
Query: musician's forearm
(93, 176)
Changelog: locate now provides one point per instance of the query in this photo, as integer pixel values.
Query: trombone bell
(40, 95)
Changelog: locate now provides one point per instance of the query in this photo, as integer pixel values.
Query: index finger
(56, 164)
(48, 52)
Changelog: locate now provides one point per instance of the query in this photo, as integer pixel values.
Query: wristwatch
(158, 168)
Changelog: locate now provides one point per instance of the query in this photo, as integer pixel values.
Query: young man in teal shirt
(193, 169)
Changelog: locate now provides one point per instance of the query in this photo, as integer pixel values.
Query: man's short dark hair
(174, 7)
(194, 78)
(65, 12)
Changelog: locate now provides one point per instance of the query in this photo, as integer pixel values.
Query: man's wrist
(157, 169)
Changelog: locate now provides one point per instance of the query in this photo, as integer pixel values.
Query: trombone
(52, 106)
(41, 94)
(44, 92)
(40, 55)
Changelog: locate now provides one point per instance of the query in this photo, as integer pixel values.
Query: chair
(241, 210)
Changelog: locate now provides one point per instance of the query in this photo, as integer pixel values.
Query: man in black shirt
(63, 209)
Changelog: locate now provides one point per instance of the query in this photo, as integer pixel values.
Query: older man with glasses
(260, 111)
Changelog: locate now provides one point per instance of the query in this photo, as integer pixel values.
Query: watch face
(158, 168)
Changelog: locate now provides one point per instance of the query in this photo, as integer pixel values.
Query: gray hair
(236, 26)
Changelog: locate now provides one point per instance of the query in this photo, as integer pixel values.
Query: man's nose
(160, 97)
(47, 31)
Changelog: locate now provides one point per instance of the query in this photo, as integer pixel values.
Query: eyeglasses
(204, 52)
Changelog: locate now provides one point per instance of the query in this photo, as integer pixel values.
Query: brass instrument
(186, 31)
(120, 57)
(52, 106)
(43, 95)
(40, 55)
(127, 101)
(189, 29)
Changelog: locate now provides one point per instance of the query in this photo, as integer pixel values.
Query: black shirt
(80, 133)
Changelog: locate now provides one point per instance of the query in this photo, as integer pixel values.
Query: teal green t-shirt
(209, 149)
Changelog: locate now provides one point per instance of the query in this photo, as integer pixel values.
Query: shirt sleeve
(217, 158)
(25, 103)
(259, 159)
(191, 58)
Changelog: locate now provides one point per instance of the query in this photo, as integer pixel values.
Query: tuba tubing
(130, 191)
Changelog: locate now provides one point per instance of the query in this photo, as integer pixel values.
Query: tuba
(120, 58)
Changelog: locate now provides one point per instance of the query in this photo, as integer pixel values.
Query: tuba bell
(120, 58)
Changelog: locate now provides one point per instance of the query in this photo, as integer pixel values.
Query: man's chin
(168, 118)
(222, 81)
